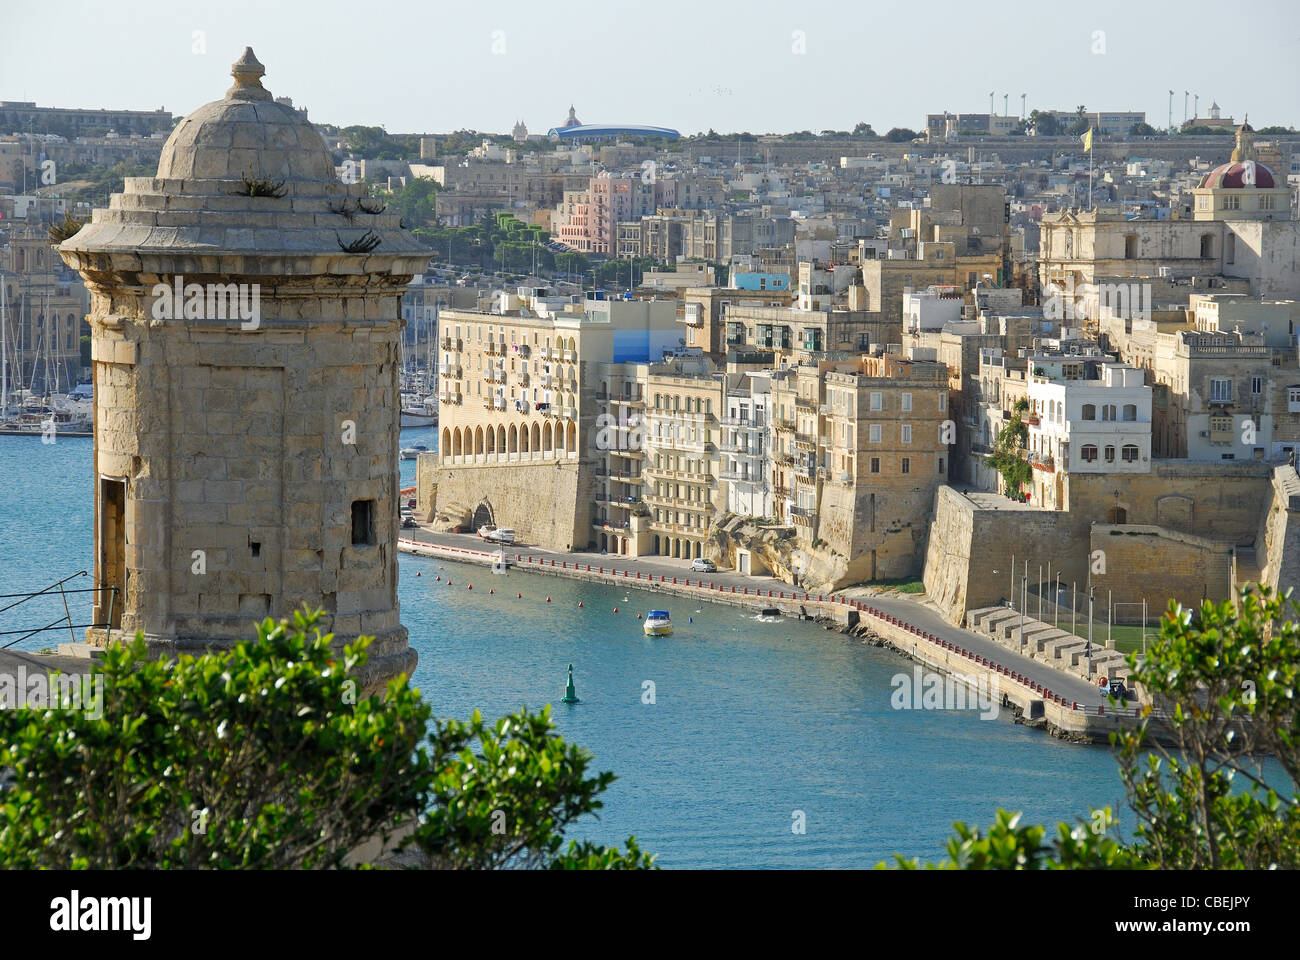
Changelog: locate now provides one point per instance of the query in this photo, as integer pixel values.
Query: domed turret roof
(245, 185)
(246, 133)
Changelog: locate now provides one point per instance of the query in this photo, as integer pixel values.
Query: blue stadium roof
(585, 131)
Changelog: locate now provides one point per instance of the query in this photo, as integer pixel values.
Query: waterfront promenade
(1068, 705)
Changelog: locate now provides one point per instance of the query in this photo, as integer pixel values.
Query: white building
(931, 308)
(746, 443)
(1078, 425)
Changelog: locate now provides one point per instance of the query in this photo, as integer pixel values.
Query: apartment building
(746, 445)
(684, 403)
(518, 410)
(884, 452)
(1081, 425)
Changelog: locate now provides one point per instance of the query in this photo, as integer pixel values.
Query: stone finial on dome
(248, 73)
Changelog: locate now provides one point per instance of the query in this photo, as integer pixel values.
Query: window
(905, 434)
(1130, 412)
(1220, 390)
(1129, 453)
(1110, 454)
(1089, 452)
(1207, 245)
(875, 464)
(907, 401)
(876, 400)
(1266, 203)
(873, 435)
(943, 402)
(363, 522)
(1089, 411)
(1108, 412)
(1257, 385)
(1232, 203)
(941, 466)
(1230, 249)
(907, 465)
(1131, 247)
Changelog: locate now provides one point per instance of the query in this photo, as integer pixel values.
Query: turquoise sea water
(750, 723)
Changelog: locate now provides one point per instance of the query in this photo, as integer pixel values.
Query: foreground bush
(266, 757)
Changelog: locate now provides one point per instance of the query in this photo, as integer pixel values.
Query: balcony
(805, 403)
(568, 356)
(1042, 462)
(524, 350)
(636, 401)
(495, 349)
(453, 343)
(806, 440)
(453, 372)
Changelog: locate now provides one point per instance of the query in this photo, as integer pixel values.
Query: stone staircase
(1041, 641)
(1245, 567)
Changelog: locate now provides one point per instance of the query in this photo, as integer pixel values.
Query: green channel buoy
(570, 693)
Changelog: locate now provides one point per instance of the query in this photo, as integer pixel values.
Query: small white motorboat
(657, 624)
(412, 453)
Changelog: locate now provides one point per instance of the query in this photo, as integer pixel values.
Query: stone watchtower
(245, 317)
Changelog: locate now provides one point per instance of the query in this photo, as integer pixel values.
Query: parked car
(502, 535)
(701, 565)
(486, 531)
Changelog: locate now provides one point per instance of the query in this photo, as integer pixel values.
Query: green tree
(1009, 449)
(863, 129)
(1141, 129)
(901, 135)
(1044, 124)
(265, 756)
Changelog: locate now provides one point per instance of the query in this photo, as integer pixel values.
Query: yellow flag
(1087, 139)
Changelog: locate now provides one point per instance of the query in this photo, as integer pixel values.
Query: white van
(502, 535)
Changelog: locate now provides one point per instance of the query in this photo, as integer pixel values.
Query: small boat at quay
(657, 624)
(413, 452)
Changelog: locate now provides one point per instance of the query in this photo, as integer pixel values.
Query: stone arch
(573, 437)
(559, 438)
(456, 448)
(1175, 510)
(514, 440)
(537, 439)
(546, 438)
(484, 515)
(490, 442)
(445, 446)
(478, 441)
(501, 440)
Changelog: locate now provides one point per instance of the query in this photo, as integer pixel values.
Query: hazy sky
(690, 64)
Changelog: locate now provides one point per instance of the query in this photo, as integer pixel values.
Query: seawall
(1039, 705)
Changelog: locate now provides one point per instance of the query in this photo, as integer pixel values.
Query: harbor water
(727, 736)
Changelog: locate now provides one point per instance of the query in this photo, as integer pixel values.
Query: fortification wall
(548, 503)
(1277, 546)
(1136, 562)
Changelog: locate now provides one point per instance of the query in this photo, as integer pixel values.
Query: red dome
(1234, 176)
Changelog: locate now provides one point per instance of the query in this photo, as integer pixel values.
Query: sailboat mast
(4, 352)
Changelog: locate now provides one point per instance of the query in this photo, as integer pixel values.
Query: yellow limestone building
(245, 312)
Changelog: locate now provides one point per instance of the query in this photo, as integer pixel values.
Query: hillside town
(832, 360)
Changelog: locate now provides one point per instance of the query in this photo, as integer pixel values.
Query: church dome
(1237, 175)
(246, 133)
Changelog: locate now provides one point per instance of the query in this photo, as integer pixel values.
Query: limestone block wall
(1220, 500)
(242, 454)
(548, 503)
(1277, 545)
(1146, 562)
(970, 549)
(875, 531)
